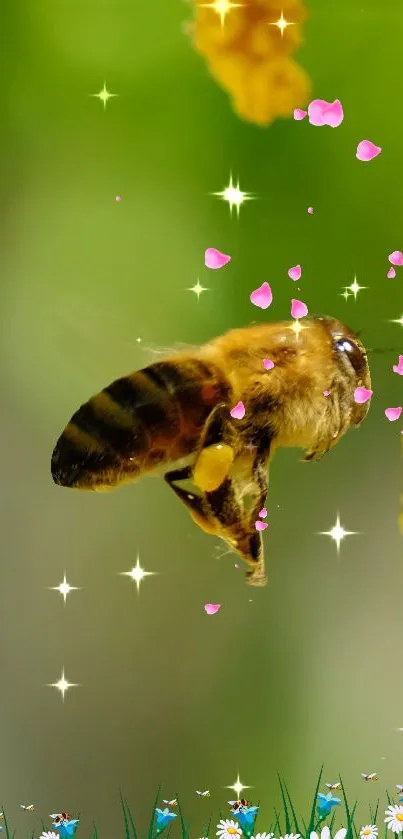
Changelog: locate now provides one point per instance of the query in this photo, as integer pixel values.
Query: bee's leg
(215, 451)
(195, 504)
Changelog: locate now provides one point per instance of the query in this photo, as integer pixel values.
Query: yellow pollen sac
(212, 466)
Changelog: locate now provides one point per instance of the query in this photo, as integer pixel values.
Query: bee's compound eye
(355, 355)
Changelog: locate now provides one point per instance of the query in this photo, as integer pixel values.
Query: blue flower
(68, 828)
(246, 816)
(326, 802)
(163, 818)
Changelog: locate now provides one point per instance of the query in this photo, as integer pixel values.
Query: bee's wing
(363, 775)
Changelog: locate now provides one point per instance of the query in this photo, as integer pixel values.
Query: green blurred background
(308, 669)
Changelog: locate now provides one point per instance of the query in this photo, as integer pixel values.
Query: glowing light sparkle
(138, 573)
(355, 288)
(238, 786)
(337, 533)
(63, 685)
(104, 95)
(64, 588)
(346, 294)
(399, 321)
(234, 196)
(297, 327)
(198, 289)
(221, 7)
(282, 24)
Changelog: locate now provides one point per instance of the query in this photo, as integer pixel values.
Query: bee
(28, 807)
(399, 788)
(205, 794)
(173, 418)
(372, 777)
(59, 818)
(172, 803)
(335, 786)
(238, 805)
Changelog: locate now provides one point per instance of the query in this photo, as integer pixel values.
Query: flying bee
(238, 805)
(172, 803)
(372, 777)
(173, 418)
(335, 786)
(205, 794)
(59, 818)
(27, 807)
(399, 788)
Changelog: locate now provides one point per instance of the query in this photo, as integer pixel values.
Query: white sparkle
(399, 321)
(198, 289)
(346, 294)
(138, 573)
(63, 685)
(64, 588)
(337, 533)
(238, 786)
(282, 23)
(221, 7)
(355, 288)
(104, 95)
(297, 327)
(234, 196)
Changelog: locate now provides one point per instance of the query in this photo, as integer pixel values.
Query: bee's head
(351, 357)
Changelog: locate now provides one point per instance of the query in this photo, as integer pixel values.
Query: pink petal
(367, 150)
(239, 411)
(398, 368)
(261, 525)
(212, 608)
(299, 113)
(391, 274)
(118, 198)
(215, 259)
(393, 414)
(326, 393)
(316, 110)
(295, 272)
(396, 258)
(361, 395)
(262, 296)
(298, 309)
(268, 364)
(263, 513)
(334, 114)
(310, 210)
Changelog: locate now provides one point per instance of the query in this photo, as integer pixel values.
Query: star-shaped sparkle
(399, 321)
(238, 786)
(282, 24)
(297, 327)
(198, 289)
(337, 533)
(355, 288)
(346, 294)
(104, 95)
(234, 196)
(64, 588)
(221, 7)
(63, 685)
(138, 573)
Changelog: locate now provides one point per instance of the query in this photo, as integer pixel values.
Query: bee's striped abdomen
(139, 421)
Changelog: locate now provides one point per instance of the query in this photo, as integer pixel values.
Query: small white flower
(394, 818)
(263, 836)
(291, 836)
(49, 835)
(369, 831)
(325, 834)
(228, 829)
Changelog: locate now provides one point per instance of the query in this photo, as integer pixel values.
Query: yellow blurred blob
(212, 466)
(250, 57)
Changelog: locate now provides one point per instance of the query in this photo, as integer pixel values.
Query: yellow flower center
(399, 817)
(233, 830)
(367, 832)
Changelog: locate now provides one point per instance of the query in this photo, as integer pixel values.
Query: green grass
(285, 820)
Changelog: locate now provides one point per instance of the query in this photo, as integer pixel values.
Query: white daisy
(291, 836)
(369, 831)
(50, 835)
(325, 834)
(228, 829)
(394, 818)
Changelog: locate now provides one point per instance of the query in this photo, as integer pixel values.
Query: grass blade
(5, 823)
(150, 829)
(134, 831)
(287, 817)
(315, 798)
(95, 833)
(297, 830)
(183, 826)
(127, 831)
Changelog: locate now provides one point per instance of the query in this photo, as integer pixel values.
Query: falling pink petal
(268, 364)
(391, 274)
(367, 150)
(321, 112)
(398, 368)
(298, 309)
(261, 525)
(295, 272)
(263, 513)
(239, 411)
(326, 393)
(361, 395)
(262, 296)
(118, 198)
(396, 258)
(215, 259)
(299, 113)
(393, 414)
(316, 110)
(310, 210)
(212, 608)
(334, 114)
